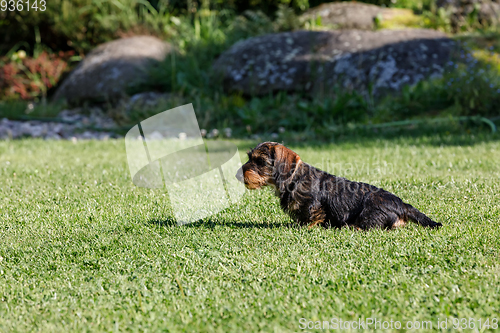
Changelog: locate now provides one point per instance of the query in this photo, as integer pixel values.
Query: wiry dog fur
(314, 197)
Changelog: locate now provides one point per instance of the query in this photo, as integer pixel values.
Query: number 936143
(23, 5)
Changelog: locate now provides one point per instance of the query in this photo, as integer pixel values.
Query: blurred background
(262, 69)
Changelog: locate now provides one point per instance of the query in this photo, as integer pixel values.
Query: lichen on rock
(313, 61)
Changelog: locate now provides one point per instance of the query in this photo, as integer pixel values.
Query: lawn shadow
(254, 225)
(211, 224)
(169, 222)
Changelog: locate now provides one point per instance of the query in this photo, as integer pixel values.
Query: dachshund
(314, 197)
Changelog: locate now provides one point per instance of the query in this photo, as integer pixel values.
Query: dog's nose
(239, 175)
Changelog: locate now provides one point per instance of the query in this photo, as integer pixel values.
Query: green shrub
(201, 39)
(470, 86)
(269, 7)
(81, 24)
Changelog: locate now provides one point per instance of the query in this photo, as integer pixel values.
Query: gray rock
(53, 136)
(315, 61)
(352, 15)
(108, 70)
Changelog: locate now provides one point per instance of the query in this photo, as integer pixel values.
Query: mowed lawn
(83, 249)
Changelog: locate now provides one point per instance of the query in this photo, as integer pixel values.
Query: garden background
(401, 94)
(39, 49)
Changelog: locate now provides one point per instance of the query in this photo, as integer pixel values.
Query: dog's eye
(259, 161)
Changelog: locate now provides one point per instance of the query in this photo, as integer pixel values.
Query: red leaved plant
(29, 78)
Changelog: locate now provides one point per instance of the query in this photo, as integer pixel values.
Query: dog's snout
(239, 174)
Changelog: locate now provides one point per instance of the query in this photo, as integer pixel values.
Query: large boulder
(108, 70)
(487, 11)
(320, 60)
(353, 15)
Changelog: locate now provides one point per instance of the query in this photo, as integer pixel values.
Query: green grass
(82, 249)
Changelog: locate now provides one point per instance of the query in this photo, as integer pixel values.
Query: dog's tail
(419, 217)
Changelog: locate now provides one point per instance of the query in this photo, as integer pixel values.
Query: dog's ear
(284, 160)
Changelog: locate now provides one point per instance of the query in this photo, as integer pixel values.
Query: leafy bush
(29, 78)
(82, 24)
(269, 7)
(201, 39)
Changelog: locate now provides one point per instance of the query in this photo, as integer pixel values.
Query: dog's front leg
(316, 217)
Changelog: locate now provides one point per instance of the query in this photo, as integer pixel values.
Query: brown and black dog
(314, 197)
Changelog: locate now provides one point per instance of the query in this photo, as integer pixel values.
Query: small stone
(104, 136)
(53, 136)
(155, 136)
(87, 135)
(214, 133)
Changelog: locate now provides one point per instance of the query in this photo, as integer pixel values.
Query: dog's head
(268, 163)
